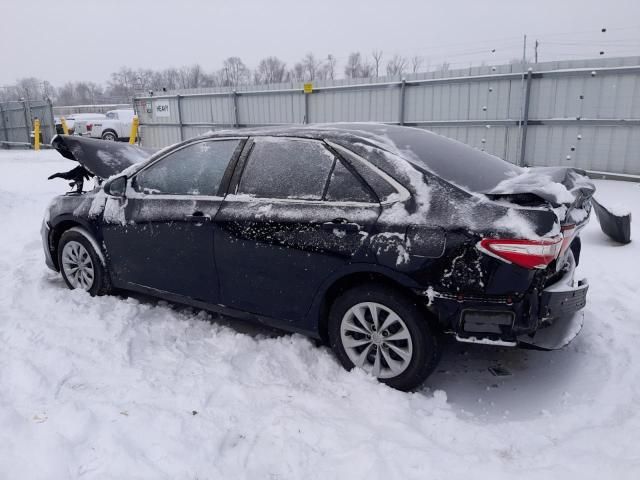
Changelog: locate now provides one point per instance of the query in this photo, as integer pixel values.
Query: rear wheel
(80, 264)
(383, 332)
(110, 136)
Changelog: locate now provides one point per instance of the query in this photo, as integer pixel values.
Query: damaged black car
(376, 239)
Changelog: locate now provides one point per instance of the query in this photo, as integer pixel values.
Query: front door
(161, 235)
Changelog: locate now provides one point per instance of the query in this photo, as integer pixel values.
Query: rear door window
(286, 168)
(196, 169)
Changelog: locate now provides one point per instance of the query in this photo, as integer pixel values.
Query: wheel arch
(332, 288)
(109, 130)
(65, 223)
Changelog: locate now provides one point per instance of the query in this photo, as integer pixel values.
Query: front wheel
(80, 264)
(383, 332)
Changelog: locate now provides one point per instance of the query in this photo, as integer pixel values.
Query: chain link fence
(16, 122)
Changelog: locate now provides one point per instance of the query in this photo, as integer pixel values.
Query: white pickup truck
(116, 126)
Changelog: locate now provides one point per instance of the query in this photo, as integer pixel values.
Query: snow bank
(113, 388)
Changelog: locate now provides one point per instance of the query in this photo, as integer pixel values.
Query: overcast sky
(63, 40)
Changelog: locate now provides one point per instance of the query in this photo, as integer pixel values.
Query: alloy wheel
(376, 339)
(77, 265)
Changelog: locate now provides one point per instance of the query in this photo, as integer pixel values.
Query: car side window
(286, 168)
(196, 169)
(345, 187)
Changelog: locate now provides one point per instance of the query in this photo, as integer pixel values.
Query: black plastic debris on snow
(616, 227)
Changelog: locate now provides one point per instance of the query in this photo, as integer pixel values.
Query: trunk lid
(567, 190)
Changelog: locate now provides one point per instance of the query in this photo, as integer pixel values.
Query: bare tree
(29, 88)
(416, 63)
(358, 68)
(396, 65)
(124, 82)
(234, 72)
(327, 69)
(191, 77)
(311, 66)
(377, 61)
(354, 65)
(445, 67)
(297, 72)
(168, 79)
(271, 70)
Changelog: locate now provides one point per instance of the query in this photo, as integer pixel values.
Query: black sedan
(376, 239)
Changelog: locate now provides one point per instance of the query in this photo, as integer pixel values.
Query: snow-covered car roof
(470, 168)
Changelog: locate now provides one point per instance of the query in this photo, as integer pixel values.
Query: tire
(76, 247)
(110, 136)
(402, 355)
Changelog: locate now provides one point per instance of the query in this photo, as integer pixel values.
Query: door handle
(342, 225)
(198, 217)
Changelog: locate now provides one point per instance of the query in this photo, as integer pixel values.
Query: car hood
(102, 158)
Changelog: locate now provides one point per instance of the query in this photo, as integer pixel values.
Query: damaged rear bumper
(545, 320)
(560, 306)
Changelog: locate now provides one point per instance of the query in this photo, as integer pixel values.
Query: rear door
(296, 214)
(163, 237)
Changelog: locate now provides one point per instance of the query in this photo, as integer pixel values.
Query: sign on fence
(161, 108)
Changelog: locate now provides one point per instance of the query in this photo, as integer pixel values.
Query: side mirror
(116, 187)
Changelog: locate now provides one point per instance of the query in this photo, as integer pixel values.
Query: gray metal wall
(16, 121)
(577, 113)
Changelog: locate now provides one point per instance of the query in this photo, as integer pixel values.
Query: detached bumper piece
(616, 227)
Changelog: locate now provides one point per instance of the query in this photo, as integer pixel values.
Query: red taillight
(525, 253)
(89, 127)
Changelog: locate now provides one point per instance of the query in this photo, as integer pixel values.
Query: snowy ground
(121, 388)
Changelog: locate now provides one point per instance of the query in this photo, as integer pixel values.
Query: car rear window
(286, 168)
(464, 166)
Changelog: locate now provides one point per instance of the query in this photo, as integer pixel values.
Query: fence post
(27, 119)
(525, 118)
(305, 118)
(4, 124)
(403, 87)
(36, 134)
(236, 120)
(180, 117)
(52, 119)
(133, 134)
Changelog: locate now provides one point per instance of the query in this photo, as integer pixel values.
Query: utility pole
(536, 51)
(524, 53)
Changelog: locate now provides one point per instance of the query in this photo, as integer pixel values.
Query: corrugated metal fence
(584, 114)
(16, 121)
